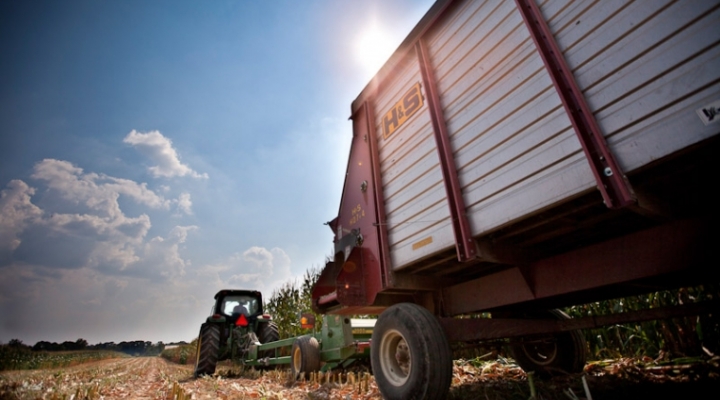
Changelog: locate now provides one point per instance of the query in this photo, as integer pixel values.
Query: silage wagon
(513, 157)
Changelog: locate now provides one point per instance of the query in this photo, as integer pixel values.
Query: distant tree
(17, 343)
(41, 346)
(81, 344)
(67, 345)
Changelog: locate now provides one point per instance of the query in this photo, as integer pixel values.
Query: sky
(155, 152)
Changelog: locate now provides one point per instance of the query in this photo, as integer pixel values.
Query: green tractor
(237, 323)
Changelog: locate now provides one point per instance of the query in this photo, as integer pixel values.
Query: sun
(373, 48)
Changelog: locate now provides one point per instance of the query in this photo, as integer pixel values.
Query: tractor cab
(239, 306)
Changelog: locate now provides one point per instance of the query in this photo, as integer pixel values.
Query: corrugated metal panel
(515, 149)
(645, 67)
(416, 207)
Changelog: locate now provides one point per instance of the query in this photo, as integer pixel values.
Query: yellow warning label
(422, 243)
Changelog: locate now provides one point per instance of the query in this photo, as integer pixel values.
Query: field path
(153, 378)
(120, 378)
(156, 378)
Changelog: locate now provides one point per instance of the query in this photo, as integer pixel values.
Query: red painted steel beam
(611, 181)
(381, 223)
(681, 249)
(461, 225)
(470, 329)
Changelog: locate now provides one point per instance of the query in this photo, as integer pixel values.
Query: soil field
(156, 378)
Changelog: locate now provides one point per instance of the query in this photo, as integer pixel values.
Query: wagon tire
(410, 354)
(305, 356)
(208, 347)
(553, 354)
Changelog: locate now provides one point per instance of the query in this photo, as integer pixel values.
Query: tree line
(133, 348)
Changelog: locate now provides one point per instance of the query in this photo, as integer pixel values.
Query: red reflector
(216, 316)
(241, 321)
(267, 316)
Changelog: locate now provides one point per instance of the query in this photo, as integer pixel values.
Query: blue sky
(154, 152)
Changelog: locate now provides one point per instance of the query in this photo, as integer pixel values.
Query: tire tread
(431, 371)
(208, 348)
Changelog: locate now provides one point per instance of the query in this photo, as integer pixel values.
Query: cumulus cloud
(79, 224)
(159, 149)
(256, 268)
(160, 257)
(78, 249)
(98, 192)
(16, 213)
(184, 204)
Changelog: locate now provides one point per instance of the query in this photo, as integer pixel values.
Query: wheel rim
(395, 358)
(543, 352)
(297, 360)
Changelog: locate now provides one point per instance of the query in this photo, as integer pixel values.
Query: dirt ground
(156, 378)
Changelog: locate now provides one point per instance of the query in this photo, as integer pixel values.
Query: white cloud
(159, 148)
(256, 268)
(98, 192)
(81, 225)
(184, 204)
(70, 258)
(160, 257)
(16, 213)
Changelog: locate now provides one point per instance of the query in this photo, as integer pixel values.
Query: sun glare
(373, 47)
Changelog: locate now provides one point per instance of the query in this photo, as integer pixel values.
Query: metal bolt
(363, 186)
(608, 171)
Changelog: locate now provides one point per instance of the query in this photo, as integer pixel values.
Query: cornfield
(287, 303)
(183, 354)
(677, 337)
(18, 358)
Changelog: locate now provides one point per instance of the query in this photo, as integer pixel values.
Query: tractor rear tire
(410, 354)
(553, 354)
(268, 332)
(208, 347)
(305, 356)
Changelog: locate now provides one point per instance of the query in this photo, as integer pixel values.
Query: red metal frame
(673, 254)
(611, 181)
(470, 329)
(461, 226)
(381, 226)
(360, 272)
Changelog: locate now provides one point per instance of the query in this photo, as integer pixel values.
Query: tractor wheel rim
(297, 360)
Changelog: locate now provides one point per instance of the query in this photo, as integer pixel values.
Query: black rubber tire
(305, 356)
(410, 354)
(208, 347)
(550, 355)
(268, 332)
